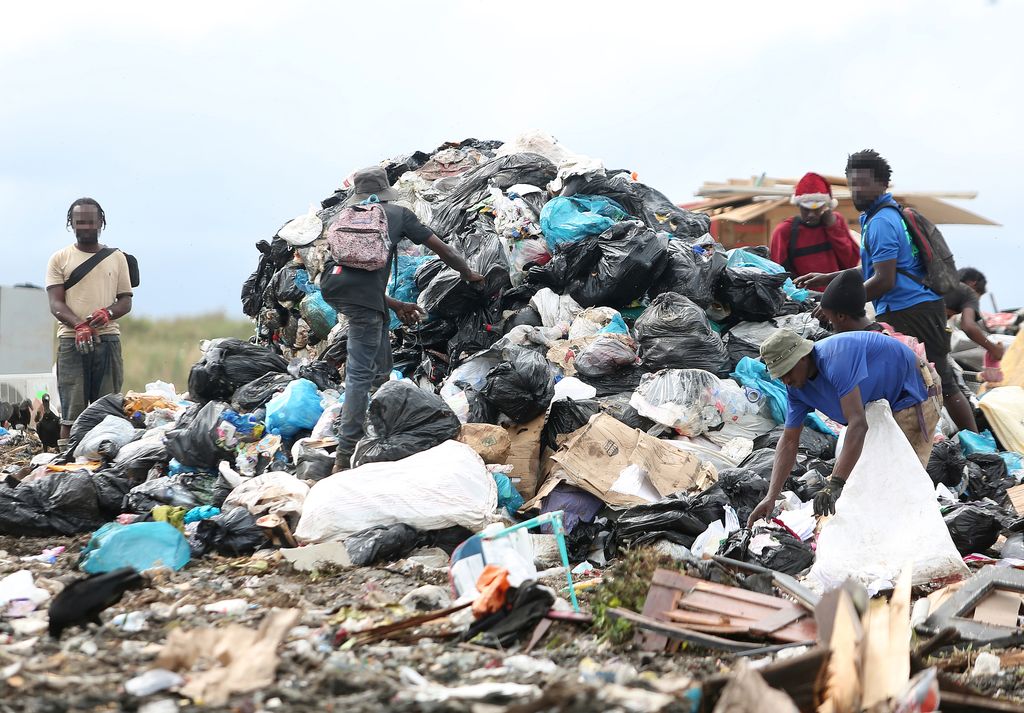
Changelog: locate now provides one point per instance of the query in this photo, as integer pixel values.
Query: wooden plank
(692, 617)
(842, 675)
(660, 599)
(703, 601)
(802, 630)
(887, 644)
(681, 633)
(741, 594)
(779, 620)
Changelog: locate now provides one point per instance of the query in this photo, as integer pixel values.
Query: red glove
(100, 318)
(85, 338)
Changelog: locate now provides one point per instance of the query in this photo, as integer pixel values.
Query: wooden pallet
(706, 607)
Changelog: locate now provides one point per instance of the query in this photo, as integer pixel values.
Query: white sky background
(203, 126)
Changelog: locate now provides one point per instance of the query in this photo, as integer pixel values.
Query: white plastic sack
(274, 493)
(554, 309)
(590, 321)
(112, 430)
(886, 517)
(302, 230)
(444, 486)
(572, 388)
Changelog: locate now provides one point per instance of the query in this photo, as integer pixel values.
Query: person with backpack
(907, 268)
(816, 240)
(363, 239)
(89, 286)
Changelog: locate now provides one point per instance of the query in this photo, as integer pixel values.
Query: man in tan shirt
(89, 363)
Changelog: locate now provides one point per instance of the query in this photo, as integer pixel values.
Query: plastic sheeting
(674, 333)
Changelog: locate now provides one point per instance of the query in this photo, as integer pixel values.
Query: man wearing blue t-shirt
(839, 376)
(894, 275)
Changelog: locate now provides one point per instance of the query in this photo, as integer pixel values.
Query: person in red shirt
(817, 240)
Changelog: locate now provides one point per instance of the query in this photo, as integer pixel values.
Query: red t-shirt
(820, 249)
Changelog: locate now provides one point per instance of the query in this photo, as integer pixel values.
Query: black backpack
(86, 267)
(940, 268)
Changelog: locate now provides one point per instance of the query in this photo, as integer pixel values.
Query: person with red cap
(817, 240)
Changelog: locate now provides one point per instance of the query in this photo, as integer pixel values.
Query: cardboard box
(524, 456)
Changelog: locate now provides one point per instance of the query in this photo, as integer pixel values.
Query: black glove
(825, 500)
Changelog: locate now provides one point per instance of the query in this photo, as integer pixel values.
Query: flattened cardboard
(524, 455)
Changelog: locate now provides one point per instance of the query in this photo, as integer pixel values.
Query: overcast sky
(201, 127)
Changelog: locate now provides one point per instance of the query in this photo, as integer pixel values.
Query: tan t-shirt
(98, 289)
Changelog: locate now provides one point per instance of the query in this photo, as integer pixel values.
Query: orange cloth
(492, 585)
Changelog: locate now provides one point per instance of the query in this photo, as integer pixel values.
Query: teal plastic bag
(567, 219)
(295, 409)
(753, 374)
(141, 545)
(971, 442)
(319, 315)
(404, 290)
(1014, 461)
(508, 497)
(742, 258)
(616, 326)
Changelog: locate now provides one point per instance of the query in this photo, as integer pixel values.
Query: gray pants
(84, 378)
(368, 366)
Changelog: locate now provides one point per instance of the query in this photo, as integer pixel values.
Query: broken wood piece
(680, 633)
(379, 633)
(999, 608)
(841, 681)
(886, 649)
(277, 531)
(956, 611)
(1016, 494)
(538, 633)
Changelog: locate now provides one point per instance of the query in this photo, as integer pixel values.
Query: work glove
(85, 338)
(100, 318)
(825, 500)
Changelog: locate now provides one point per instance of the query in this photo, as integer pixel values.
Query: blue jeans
(368, 366)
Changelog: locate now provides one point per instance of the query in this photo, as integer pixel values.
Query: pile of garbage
(598, 393)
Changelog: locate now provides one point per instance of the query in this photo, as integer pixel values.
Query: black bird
(48, 428)
(82, 601)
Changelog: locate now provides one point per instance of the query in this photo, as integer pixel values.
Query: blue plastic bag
(971, 442)
(1014, 462)
(742, 258)
(203, 512)
(405, 289)
(141, 545)
(616, 326)
(295, 409)
(508, 497)
(302, 282)
(753, 374)
(567, 219)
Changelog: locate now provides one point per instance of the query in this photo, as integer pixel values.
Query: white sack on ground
(441, 487)
(886, 516)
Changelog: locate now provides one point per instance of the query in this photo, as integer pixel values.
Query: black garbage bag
(750, 294)
(625, 379)
(446, 294)
(166, 490)
(320, 373)
(792, 557)
(94, 413)
(640, 200)
(691, 271)
(475, 331)
(813, 443)
(229, 363)
(524, 316)
(988, 478)
(273, 256)
(480, 409)
(231, 534)
(258, 392)
(572, 262)
(975, 526)
(136, 458)
(760, 461)
(522, 386)
(283, 289)
(451, 213)
(744, 488)
(617, 406)
(384, 543)
(56, 504)
(674, 333)
(403, 420)
(947, 464)
(630, 254)
(677, 518)
(524, 608)
(314, 466)
(566, 416)
(195, 443)
(736, 545)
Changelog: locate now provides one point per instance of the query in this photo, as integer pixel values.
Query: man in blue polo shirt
(839, 376)
(894, 275)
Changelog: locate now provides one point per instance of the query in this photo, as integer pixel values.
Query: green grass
(165, 349)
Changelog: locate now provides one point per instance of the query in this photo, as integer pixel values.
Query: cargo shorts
(84, 378)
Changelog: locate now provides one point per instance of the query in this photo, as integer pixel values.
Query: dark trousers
(368, 366)
(84, 378)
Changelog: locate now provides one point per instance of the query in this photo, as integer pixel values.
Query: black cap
(845, 294)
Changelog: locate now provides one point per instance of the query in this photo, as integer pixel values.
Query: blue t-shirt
(885, 237)
(882, 367)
